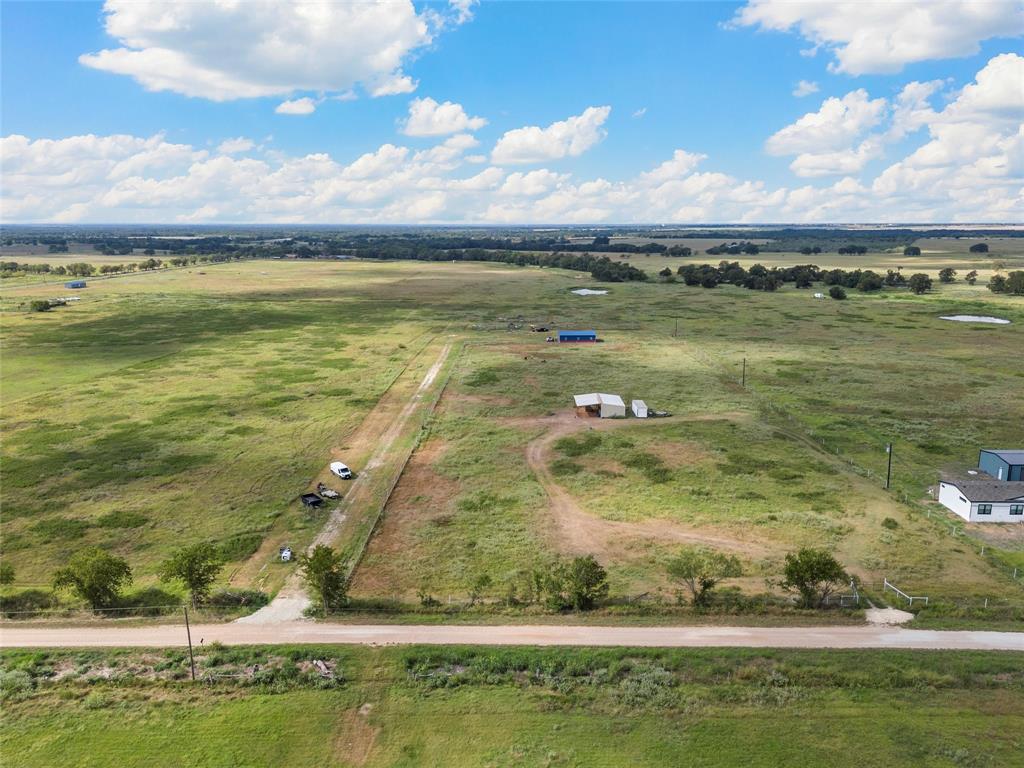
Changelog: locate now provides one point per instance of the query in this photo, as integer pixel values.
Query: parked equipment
(327, 493)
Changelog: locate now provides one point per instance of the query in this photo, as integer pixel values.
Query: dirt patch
(678, 454)
(354, 738)
(580, 532)
(422, 496)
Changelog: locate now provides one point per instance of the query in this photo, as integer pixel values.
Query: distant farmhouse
(993, 493)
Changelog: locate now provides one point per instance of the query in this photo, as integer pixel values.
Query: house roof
(1011, 456)
(597, 398)
(988, 491)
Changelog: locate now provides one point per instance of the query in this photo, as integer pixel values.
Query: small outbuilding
(75, 284)
(1002, 464)
(576, 337)
(599, 404)
(639, 408)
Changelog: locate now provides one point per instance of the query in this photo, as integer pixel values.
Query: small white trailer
(639, 408)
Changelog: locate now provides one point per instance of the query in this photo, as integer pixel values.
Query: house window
(1017, 509)
(984, 509)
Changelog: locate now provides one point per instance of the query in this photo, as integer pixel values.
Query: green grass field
(424, 706)
(196, 404)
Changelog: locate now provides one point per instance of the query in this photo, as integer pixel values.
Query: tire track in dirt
(382, 430)
(581, 532)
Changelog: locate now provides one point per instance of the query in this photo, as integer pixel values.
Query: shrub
(891, 524)
(40, 305)
(122, 518)
(238, 598)
(14, 682)
(27, 603)
(588, 443)
(837, 292)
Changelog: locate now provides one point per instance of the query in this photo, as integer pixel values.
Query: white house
(639, 408)
(983, 499)
(599, 404)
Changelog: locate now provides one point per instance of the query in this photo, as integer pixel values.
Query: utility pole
(191, 658)
(743, 382)
(888, 471)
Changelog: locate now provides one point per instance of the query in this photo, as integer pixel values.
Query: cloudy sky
(512, 112)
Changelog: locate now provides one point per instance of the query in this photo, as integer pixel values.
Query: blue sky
(677, 76)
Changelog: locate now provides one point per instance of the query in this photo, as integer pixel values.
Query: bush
(14, 682)
(40, 305)
(25, 604)
(588, 443)
(891, 524)
(837, 292)
(122, 518)
(238, 598)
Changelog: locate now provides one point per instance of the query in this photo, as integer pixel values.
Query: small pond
(975, 319)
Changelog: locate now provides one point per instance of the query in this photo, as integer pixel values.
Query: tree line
(98, 578)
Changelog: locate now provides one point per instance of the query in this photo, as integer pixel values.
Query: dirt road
(305, 632)
(291, 600)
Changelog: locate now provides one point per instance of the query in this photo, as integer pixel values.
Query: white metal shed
(599, 404)
(639, 409)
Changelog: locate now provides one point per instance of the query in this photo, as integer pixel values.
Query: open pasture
(197, 404)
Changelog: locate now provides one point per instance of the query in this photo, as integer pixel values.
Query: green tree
(95, 576)
(324, 572)
(1015, 282)
(699, 570)
(586, 582)
(6, 574)
(920, 283)
(870, 281)
(971, 277)
(814, 574)
(837, 292)
(979, 248)
(997, 284)
(911, 250)
(947, 275)
(196, 567)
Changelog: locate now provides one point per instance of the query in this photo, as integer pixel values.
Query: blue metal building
(577, 336)
(1001, 464)
(75, 284)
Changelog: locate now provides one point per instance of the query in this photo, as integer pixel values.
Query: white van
(341, 470)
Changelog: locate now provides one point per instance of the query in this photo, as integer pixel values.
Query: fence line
(887, 585)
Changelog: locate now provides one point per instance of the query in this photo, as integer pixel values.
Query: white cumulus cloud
(833, 126)
(566, 138)
(879, 36)
(428, 118)
(234, 146)
(230, 50)
(303, 106)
